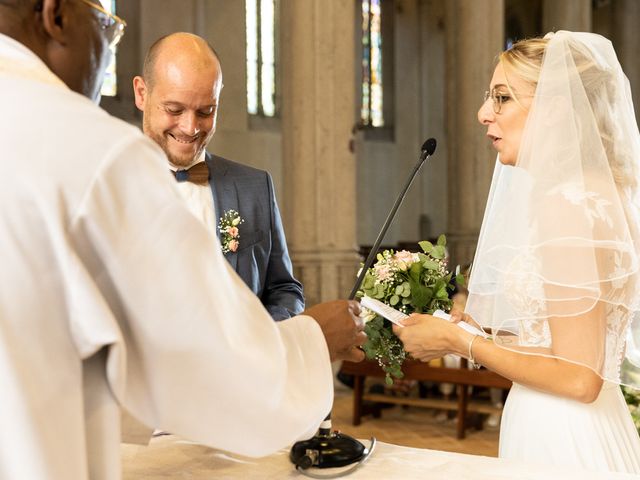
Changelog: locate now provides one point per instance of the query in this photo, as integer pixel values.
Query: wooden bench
(415, 370)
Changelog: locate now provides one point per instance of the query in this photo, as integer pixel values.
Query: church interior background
(335, 97)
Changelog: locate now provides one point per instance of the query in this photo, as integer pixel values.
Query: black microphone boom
(428, 147)
(329, 449)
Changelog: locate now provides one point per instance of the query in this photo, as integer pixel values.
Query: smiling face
(180, 105)
(505, 128)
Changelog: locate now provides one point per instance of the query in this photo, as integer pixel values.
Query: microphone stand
(428, 148)
(329, 449)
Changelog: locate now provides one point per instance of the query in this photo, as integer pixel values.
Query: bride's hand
(458, 316)
(426, 337)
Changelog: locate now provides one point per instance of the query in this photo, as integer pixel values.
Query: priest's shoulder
(91, 123)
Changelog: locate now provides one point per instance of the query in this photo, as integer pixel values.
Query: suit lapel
(216, 172)
(225, 196)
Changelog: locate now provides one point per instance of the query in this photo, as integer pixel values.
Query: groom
(178, 95)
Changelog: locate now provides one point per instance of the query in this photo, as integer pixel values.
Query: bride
(557, 267)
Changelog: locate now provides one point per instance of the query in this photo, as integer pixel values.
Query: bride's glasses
(497, 99)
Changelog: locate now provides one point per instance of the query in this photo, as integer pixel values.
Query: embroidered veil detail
(556, 270)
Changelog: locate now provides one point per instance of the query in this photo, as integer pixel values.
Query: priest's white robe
(111, 297)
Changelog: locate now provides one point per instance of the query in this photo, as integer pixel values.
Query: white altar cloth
(170, 457)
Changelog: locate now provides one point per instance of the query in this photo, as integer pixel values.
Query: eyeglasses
(497, 99)
(111, 24)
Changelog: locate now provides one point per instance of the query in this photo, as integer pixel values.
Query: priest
(110, 298)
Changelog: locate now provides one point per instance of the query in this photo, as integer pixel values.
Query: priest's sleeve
(190, 349)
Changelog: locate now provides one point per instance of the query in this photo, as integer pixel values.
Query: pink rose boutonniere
(229, 232)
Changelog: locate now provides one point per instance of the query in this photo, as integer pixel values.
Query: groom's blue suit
(262, 259)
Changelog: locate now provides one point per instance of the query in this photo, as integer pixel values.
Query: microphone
(428, 147)
(329, 449)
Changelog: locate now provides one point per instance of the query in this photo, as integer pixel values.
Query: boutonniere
(229, 233)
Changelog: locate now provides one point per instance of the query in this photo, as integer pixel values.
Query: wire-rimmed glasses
(111, 24)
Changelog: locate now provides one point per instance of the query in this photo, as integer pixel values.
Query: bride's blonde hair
(524, 59)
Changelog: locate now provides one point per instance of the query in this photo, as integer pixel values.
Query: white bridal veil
(556, 270)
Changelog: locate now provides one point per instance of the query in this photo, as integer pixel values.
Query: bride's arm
(427, 337)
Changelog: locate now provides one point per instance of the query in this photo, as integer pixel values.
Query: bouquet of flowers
(409, 282)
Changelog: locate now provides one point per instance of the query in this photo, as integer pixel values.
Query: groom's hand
(342, 327)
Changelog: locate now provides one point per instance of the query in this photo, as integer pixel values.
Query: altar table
(170, 457)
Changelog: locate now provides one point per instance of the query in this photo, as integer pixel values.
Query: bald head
(182, 51)
(179, 96)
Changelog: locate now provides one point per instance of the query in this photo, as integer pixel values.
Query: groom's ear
(140, 92)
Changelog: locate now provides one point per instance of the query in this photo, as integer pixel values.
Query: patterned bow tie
(198, 174)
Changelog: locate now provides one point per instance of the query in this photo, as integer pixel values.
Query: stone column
(626, 39)
(318, 112)
(474, 36)
(574, 15)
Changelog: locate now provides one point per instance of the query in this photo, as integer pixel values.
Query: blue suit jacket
(262, 259)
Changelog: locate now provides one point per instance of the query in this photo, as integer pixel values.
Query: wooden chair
(415, 370)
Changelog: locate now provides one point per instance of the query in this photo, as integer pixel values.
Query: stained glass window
(110, 85)
(372, 63)
(261, 58)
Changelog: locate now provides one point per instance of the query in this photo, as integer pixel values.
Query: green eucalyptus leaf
(442, 240)
(438, 252)
(394, 300)
(376, 323)
(429, 294)
(368, 282)
(414, 272)
(419, 295)
(426, 246)
(431, 265)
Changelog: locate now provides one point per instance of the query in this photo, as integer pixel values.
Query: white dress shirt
(199, 199)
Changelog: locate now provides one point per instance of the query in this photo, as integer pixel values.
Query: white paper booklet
(395, 316)
(384, 310)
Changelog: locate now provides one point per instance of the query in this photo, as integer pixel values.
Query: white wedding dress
(540, 427)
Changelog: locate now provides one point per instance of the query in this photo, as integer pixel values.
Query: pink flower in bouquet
(233, 245)
(405, 259)
(233, 231)
(383, 272)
